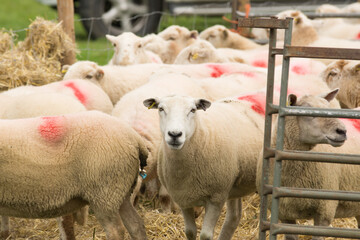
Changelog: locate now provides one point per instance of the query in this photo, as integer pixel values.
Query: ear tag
(151, 105)
(195, 56)
(63, 71)
(287, 103)
(142, 173)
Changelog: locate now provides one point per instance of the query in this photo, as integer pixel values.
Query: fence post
(66, 15)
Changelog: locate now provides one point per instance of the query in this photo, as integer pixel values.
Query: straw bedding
(38, 59)
(159, 226)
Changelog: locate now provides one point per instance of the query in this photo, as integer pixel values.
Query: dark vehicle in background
(113, 17)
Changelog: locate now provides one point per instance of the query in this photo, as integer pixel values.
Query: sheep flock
(165, 140)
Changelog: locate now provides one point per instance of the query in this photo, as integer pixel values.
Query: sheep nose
(341, 132)
(174, 134)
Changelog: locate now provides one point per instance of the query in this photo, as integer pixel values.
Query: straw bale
(6, 41)
(159, 226)
(38, 59)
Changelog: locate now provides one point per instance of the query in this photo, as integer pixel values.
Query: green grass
(17, 15)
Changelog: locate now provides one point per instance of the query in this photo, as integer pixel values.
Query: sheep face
(346, 76)
(128, 49)
(181, 36)
(216, 35)
(318, 130)
(177, 117)
(84, 70)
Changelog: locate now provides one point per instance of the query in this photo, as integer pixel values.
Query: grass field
(16, 15)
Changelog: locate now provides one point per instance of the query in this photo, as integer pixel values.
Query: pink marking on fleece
(357, 36)
(248, 74)
(217, 70)
(52, 128)
(354, 122)
(300, 70)
(259, 63)
(258, 102)
(78, 94)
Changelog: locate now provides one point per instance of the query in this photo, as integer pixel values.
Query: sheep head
(84, 70)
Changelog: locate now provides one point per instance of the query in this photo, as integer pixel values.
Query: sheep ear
(225, 33)
(111, 38)
(297, 20)
(357, 68)
(194, 34)
(99, 74)
(151, 103)
(202, 104)
(292, 100)
(331, 95)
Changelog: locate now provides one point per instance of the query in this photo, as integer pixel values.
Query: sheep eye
(171, 38)
(88, 77)
(139, 46)
(161, 109)
(332, 73)
(193, 110)
(114, 44)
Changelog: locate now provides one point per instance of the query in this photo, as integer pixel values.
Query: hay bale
(5, 41)
(38, 59)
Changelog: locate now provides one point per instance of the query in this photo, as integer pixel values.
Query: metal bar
(267, 132)
(272, 23)
(281, 127)
(318, 157)
(319, 112)
(322, 52)
(315, 231)
(315, 194)
(333, 15)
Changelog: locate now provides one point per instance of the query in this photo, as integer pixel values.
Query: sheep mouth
(175, 145)
(336, 142)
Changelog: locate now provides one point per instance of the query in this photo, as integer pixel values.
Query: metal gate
(278, 153)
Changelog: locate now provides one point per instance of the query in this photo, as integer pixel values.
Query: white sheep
(344, 74)
(34, 105)
(221, 37)
(304, 133)
(166, 50)
(100, 168)
(129, 49)
(131, 110)
(87, 93)
(118, 80)
(201, 163)
(181, 37)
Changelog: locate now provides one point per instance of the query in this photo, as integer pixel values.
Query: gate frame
(288, 51)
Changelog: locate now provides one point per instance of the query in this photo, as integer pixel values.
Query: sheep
(221, 37)
(166, 50)
(87, 93)
(201, 51)
(34, 105)
(304, 133)
(344, 74)
(305, 34)
(129, 49)
(100, 168)
(181, 37)
(130, 109)
(217, 170)
(118, 80)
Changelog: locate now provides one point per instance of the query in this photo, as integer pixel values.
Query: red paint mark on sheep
(248, 74)
(355, 123)
(259, 63)
(217, 70)
(78, 94)
(52, 128)
(258, 106)
(300, 70)
(357, 36)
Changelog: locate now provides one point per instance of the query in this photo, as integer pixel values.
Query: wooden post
(66, 15)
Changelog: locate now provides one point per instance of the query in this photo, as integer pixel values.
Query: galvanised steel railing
(278, 153)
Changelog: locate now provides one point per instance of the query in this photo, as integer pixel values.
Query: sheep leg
(290, 236)
(212, 213)
(132, 221)
(320, 222)
(165, 200)
(190, 226)
(81, 215)
(66, 227)
(108, 222)
(232, 219)
(5, 227)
